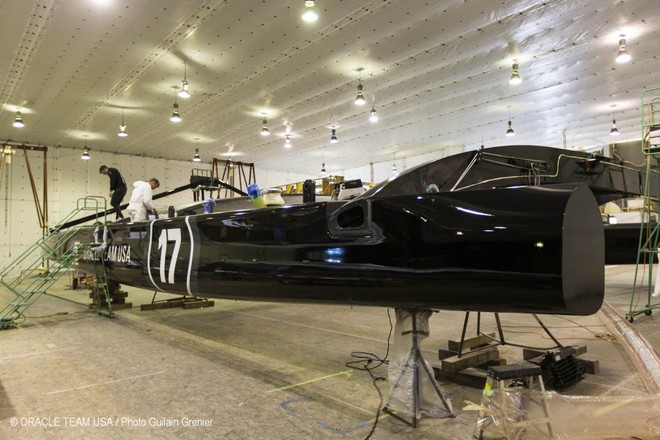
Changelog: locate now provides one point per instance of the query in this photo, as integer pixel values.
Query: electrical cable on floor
(380, 404)
(363, 362)
(52, 315)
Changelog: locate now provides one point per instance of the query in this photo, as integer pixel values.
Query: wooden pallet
(469, 367)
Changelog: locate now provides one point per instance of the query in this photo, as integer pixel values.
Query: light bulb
(310, 14)
(18, 122)
(359, 99)
(176, 117)
(509, 131)
(515, 77)
(622, 55)
(614, 131)
(264, 128)
(333, 138)
(184, 93)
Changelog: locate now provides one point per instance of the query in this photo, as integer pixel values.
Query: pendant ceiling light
(622, 55)
(122, 126)
(264, 128)
(614, 131)
(333, 137)
(184, 93)
(196, 157)
(373, 116)
(85, 155)
(287, 141)
(515, 76)
(323, 171)
(310, 14)
(176, 116)
(18, 122)
(359, 99)
(509, 130)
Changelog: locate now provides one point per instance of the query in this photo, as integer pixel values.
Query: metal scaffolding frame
(649, 233)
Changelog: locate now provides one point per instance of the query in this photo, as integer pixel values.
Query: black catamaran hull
(524, 249)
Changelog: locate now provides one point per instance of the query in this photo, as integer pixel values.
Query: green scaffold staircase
(31, 274)
(649, 236)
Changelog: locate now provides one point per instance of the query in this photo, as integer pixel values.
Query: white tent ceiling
(436, 72)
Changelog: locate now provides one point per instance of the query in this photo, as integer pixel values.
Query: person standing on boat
(141, 199)
(117, 189)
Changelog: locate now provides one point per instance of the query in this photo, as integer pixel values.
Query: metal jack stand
(412, 373)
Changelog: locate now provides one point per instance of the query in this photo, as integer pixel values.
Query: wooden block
(122, 306)
(590, 366)
(444, 354)
(190, 303)
(167, 304)
(471, 377)
(455, 364)
(119, 294)
(471, 342)
(179, 302)
(198, 304)
(155, 306)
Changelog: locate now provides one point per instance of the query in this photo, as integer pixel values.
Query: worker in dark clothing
(117, 188)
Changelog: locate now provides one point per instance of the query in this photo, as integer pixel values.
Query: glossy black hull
(526, 249)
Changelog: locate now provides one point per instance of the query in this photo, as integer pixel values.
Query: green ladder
(41, 265)
(649, 234)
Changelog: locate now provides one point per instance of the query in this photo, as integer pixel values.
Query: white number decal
(167, 235)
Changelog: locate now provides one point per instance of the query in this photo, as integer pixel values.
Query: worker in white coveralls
(140, 201)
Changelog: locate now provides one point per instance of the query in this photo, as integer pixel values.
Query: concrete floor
(247, 370)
